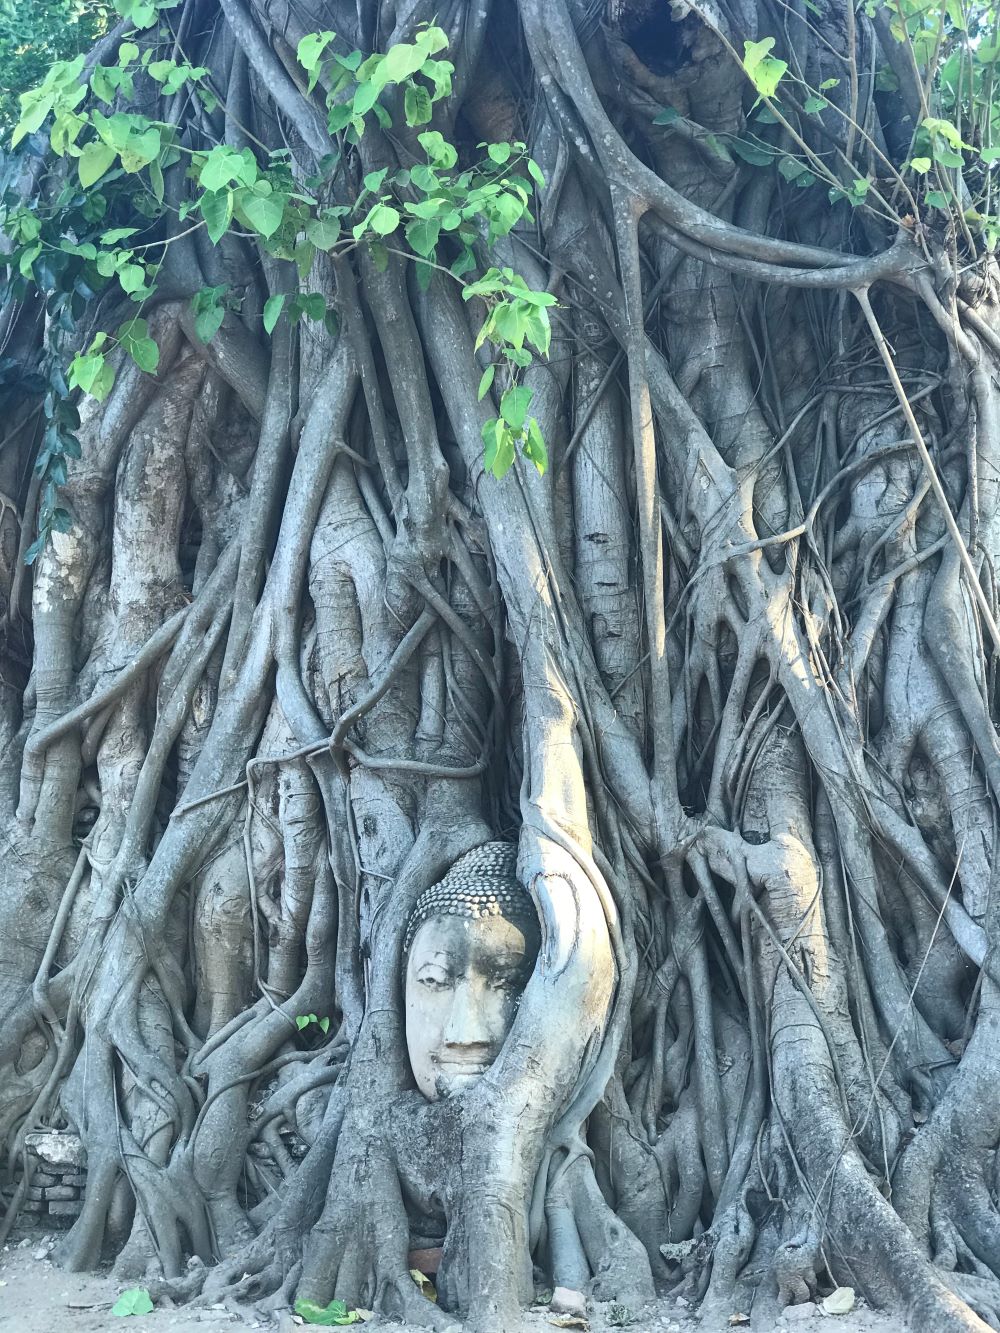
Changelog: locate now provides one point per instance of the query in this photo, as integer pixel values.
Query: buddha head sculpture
(469, 950)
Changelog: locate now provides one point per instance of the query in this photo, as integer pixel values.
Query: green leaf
(499, 153)
(518, 356)
(944, 129)
(937, 199)
(373, 180)
(91, 373)
(498, 455)
(514, 405)
(134, 1301)
(763, 70)
(339, 116)
(159, 69)
(117, 234)
(858, 190)
(311, 49)
(272, 309)
(217, 210)
(324, 231)
(425, 179)
(324, 1024)
(301, 1021)
(35, 106)
(313, 305)
(790, 168)
(486, 382)
(143, 13)
(400, 62)
(208, 322)
(383, 219)
(439, 72)
(93, 162)
(534, 448)
(423, 236)
(333, 1315)
(221, 166)
(156, 180)
(131, 277)
(718, 148)
(365, 98)
(264, 212)
(438, 150)
(535, 172)
(145, 353)
(417, 105)
(814, 104)
(921, 165)
(828, 83)
(105, 81)
(667, 116)
(751, 152)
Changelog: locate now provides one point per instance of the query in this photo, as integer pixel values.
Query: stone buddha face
(471, 946)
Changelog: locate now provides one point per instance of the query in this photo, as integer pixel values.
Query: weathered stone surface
(33, 1206)
(567, 1301)
(77, 1179)
(795, 1314)
(56, 1147)
(65, 1207)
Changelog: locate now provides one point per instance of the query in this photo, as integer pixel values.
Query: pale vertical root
(602, 536)
(635, 1176)
(617, 1259)
(222, 945)
(64, 572)
(627, 215)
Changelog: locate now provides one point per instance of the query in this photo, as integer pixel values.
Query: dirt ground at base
(38, 1297)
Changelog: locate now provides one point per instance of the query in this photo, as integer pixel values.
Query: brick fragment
(65, 1207)
(61, 1192)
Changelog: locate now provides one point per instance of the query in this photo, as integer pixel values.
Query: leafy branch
(445, 215)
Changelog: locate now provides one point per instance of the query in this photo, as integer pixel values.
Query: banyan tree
(499, 541)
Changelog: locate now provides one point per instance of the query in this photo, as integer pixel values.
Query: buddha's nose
(465, 1026)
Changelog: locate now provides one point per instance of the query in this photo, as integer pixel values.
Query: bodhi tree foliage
(544, 421)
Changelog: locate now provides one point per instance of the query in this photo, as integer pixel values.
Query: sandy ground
(37, 1297)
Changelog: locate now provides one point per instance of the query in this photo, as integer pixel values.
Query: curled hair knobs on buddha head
(481, 883)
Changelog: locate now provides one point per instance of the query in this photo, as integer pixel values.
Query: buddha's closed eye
(435, 980)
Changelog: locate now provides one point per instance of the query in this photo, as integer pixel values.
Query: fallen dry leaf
(426, 1286)
(568, 1321)
(739, 1318)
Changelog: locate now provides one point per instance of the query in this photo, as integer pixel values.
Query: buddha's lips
(464, 1062)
